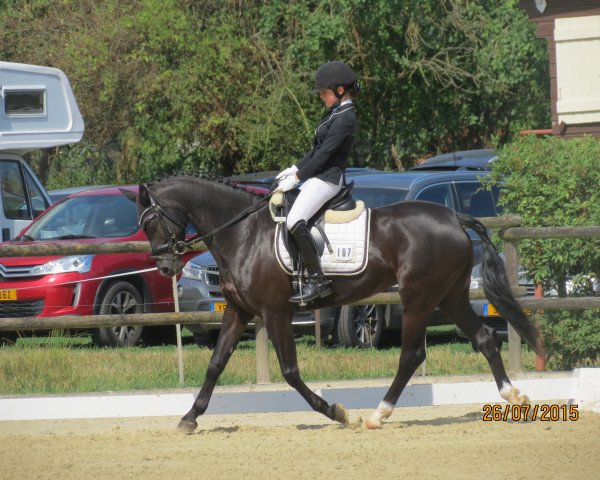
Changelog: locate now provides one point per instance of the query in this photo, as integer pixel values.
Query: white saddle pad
(349, 242)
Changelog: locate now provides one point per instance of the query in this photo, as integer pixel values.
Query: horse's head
(165, 227)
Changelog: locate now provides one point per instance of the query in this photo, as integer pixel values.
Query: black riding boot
(317, 285)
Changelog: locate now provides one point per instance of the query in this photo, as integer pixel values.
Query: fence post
(512, 271)
(540, 360)
(262, 352)
(178, 334)
(318, 328)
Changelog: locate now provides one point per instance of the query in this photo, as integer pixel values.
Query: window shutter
(578, 69)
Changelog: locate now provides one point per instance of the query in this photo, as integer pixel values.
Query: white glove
(288, 183)
(287, 172)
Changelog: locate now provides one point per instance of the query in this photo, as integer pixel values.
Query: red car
(86, 284)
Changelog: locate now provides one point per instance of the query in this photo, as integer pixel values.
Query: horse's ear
(143, 196)
(128, 194)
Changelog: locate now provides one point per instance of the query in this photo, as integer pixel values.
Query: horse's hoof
(187, 426)
(511, 395)
(524, 400)
(373, 423)
(340, 414)
(384, 411)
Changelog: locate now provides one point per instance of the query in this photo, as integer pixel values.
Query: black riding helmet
(332, 74)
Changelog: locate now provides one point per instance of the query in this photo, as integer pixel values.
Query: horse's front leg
(281, 335)
(234, 323)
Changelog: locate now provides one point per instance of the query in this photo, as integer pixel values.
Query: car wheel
(161, 335)
(8, 338)
(206, 340)
(120, 298)
(359, 326)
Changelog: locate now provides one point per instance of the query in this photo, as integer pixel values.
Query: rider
(322, 169)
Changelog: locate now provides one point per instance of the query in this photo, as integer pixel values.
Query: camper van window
(14, 198)
(36, 197)
(24, 102)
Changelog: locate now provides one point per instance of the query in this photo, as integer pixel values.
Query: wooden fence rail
(53, 248)
(153, 319)
(71, 322)
(521, 233)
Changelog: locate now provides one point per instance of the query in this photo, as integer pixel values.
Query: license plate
(218, 307)
(6, 295)
(490, 311)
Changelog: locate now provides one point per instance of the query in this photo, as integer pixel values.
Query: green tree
(553, 182)
(437, 75)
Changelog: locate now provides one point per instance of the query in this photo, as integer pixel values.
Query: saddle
(339, 218)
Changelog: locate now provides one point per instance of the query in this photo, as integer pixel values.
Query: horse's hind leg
(412, 354)
(233, 326)
(459, 309)
(281, 335)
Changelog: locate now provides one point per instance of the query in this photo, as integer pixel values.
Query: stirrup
(311, 290)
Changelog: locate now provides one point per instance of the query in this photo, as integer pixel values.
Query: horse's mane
(216, 179)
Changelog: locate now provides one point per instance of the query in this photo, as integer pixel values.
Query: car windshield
(93, 216)
(379, 197)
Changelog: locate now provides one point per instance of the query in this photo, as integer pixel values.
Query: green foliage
(224, 86)
(86, 164)
(572, 338)
(188, 115)
(554, 182)
(436, 75)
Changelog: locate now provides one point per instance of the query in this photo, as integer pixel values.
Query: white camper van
(37, 110)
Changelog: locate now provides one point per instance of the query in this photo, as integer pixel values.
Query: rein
(179, 247)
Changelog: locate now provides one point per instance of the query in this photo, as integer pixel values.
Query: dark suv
(365, 325)
(463, 160)
(460, 190)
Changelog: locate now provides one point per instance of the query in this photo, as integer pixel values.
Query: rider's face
(328, 97)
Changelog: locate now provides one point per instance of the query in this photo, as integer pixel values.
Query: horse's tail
(497, 289)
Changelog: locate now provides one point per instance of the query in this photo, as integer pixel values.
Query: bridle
(172, 245)
(178, 247)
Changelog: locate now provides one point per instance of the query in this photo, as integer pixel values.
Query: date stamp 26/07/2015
(530, 413)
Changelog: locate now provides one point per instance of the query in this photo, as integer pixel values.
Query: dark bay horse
(420, 246)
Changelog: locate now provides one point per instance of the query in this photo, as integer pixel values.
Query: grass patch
(72, 365)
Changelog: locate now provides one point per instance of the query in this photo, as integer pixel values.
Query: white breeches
(313, 195)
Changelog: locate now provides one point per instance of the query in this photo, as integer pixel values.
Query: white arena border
(581, 387)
